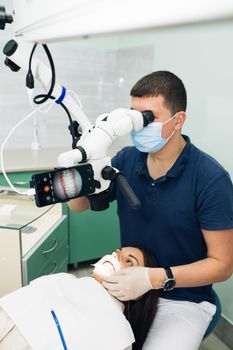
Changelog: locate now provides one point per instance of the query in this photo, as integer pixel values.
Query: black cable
(30, 59)
(29, 76)
(74, 139)
(41, 98)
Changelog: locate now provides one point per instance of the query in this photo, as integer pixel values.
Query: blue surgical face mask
(149, 139)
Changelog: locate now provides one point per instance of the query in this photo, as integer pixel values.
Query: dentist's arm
(132, 282)
(79, 204)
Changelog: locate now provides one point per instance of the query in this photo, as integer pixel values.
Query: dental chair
(216, 316)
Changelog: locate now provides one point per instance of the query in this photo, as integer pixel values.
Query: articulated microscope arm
(18, 51)
(91, 148)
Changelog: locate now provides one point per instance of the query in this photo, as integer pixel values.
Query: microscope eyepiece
(148, 117)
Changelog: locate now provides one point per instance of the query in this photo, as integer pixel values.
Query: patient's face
(120, 259)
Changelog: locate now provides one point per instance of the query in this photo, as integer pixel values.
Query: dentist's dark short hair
(162, 83)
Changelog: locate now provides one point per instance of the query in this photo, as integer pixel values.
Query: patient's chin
(97, 277)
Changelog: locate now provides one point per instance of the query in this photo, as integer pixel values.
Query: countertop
(27, 160)
(31, 160)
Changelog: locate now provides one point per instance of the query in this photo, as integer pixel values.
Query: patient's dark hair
(162, 83)
(141, 312)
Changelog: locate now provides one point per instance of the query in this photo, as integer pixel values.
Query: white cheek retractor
(101, 270)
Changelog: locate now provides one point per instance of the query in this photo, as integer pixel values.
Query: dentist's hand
(129, 283)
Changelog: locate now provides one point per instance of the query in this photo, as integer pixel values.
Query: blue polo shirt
(196, 193)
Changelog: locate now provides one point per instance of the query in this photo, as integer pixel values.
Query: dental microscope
(86, 169)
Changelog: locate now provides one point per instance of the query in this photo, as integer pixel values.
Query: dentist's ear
(180, 120)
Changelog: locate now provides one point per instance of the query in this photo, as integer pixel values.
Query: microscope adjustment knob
(10, 48)
(108, 173)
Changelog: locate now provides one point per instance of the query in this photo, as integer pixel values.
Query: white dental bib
(90, 318)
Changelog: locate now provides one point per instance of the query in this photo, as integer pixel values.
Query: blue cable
(59, 330)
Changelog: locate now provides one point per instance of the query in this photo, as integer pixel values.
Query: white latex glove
(129, 283)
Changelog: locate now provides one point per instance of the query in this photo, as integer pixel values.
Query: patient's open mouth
(108, 264)
(112, 265)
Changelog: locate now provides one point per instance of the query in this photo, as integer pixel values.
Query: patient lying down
(61, 311)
